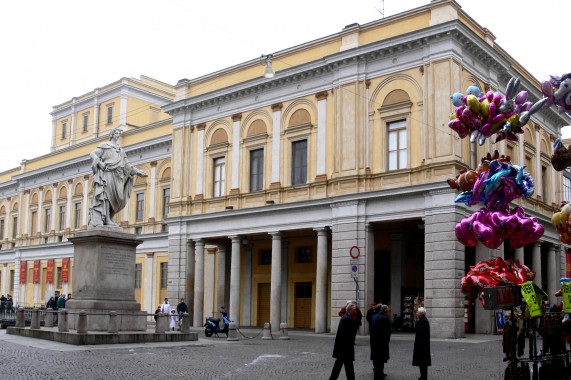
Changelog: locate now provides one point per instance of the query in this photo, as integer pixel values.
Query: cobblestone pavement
(304, 356)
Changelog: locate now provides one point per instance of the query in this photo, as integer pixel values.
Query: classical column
(284, 276)
(190, 257)
(235, 188)
(40, 209)
(199, 161)
(276, 281)
(518, 255)
(369, 269)
(221, 278)
(321, 282)
(552, 279)
(536, 263)
(199, 284)
(322, 135)
(209, 264)
(86, 204)
(247, 303)
(484, 318)
(276, 145)
(148, 298)
(153, 191)
(68, 206)
(398, 254)
(235, 280)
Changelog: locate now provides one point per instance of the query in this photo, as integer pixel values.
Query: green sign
(533, 295)
(567, 297)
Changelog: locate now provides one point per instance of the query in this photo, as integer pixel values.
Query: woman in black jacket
(421, 354)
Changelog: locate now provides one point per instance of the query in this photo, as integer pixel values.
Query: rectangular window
(34, 224)
(265, 257)
(12, 274)
(397, 145)
(166, 200)
(85, 122)
(303, 255)
(14, 227)
(165, 228)
(61, 218)
(256, 169)
(299, 162)
(140, 206)
(109, 115)
(63, 130)
(2, 226)
(138, 230)
(138, 275)
(219, 176)
(58, 271)
(544, 185)
(566, 188)
(47, 220)
(77, 215)
(164, 274)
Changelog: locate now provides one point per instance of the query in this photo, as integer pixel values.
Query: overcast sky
(51, 51)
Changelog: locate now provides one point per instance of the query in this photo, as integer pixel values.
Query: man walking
(343, 350)
(380, 326)
(421, 354)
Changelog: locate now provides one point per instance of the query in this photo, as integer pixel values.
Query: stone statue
(113, 178)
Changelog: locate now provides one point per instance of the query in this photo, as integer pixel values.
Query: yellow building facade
(260, 189)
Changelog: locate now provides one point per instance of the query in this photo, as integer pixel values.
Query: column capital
(190, 242)
(537, 244)
(27, 191)
(235, 238)
(276, 235)
(41, 188)
(199, 241)
(86, 177)
(237, 117)
(55, 184)
(321, 95)
(201, 127)
(277, 107)
(321, 231)
(150, 255)
(70, 181)
(536, 127)
(368, 83)
(153, 164)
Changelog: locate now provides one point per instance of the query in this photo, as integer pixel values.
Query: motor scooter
(212, 325)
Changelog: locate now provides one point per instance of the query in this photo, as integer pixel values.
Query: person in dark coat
(371, 311)
(343, 350)
(357, 317)
(421, 354)
(380, 327)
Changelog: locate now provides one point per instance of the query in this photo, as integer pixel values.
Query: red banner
(23, 268)
(36, 271)
(65, 270)
(568, 261)
(50, 272)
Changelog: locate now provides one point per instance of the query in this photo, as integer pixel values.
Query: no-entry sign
(354, 252)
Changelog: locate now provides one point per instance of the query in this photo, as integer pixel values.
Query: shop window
(77, 215)
(299, 162)
(164, 274)
(61, 218)
(397, 145)
(303, 255)
(140, 206)
(166, 200)
(219, 176)
(138, 275)
(256, 169)
(265, 257)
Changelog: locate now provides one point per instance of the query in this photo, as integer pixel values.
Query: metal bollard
(62, 321)
(35, 325)
(283, 331)
(162, 323)
(267, 331)
(49, 322)
(232, 333)
(185, 323)
(113, 327)
(20, 322)
(82, 322)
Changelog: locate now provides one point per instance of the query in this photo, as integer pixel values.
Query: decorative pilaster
(321, 294)
(85, 203)
(234, 311)
(199, 284)
(322, 136)
(276, 145)
(199, 161)
(552, 279)
(536, 263)
(235, 188)
(153, 191)
(68, 206)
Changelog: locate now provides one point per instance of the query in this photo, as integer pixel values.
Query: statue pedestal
(104, 280)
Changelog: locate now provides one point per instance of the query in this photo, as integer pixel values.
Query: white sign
(353, 261)
(354, 271)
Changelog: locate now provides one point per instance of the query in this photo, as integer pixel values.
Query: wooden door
(263, 312)
(302, 313)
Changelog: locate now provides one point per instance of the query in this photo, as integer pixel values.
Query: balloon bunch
(562, 223)
(494, 272)
(495, 183)
(558, 91)
(483, 115)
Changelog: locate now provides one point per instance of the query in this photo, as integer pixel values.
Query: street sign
(355, 252)
(354, 271)
(353, 261)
